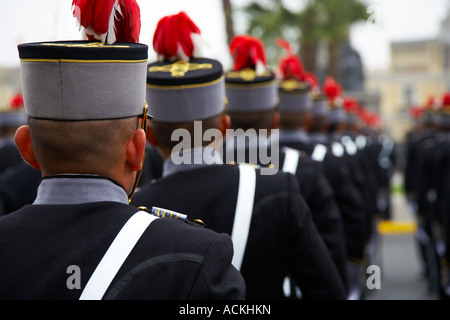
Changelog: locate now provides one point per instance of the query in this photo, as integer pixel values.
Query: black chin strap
(145, 117)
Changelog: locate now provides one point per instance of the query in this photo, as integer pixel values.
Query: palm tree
(325, 21)
(228, 13)
(271, 22)
(334, 19)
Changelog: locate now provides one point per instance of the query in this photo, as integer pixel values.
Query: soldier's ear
(22, 139)
(224, 124)
(151, 136)
(309, 120)
(135, 149)
(275, 120)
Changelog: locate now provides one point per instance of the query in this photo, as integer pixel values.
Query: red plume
(108, 20)
(351, 105)
(431, 103)
(291, 67)
(446, 100)
(331, 88)
(374, 121)
(311, 79)
(17, 101)
(176, 38)
(248, 52)
(415, 112)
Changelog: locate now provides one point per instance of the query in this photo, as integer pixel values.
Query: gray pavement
(401, 276)
(399, 259)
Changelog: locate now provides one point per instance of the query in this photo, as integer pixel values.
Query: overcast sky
(45, 20)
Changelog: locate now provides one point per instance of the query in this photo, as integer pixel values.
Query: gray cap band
(251, 98)
(352, 118)
(83, 90)
(320, 108)
(186, 103)
(337, 115)
(295, 102)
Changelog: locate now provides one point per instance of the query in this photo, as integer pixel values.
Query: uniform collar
(318, 137)
(191, 159)
(296, 135)
(78, 189)
(247, 139)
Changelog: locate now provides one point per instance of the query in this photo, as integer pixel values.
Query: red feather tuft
(446, 100)
(173, 37)
(291, 67)
(311, 79)
(128, 24)
(247, 52)
(431, 103)
(415, 112)
(284, 44)
(17, 101)
(351, 105)
(331, 88)
(109, 20)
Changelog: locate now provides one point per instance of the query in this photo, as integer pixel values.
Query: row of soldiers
(301, 226)
(427, 183)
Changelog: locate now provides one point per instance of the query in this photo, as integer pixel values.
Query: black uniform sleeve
(310, 262)
(218, 276)
(350, 204)
(319, 196)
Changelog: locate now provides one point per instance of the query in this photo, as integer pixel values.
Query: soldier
(271, 226)
(252, 105)
(18, 180)
(414, 174)
(10, 120)
(422, 133)
(361, 176)
(443, 211)
(294, 116)
(331, 156)
(432, 196)
(81, 239)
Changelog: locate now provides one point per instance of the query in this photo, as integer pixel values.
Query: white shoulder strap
(243, 213)
(349, 145)
(319, 152)
(117, 252)
(337, 149)
(290, 160)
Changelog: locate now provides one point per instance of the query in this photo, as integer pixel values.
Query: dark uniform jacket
(434, 187)
(73, 222)
(314, 188)
(346, 194)
(282, 238)
(414, 161)
(320, 198)
(18, 186)
(9, 154)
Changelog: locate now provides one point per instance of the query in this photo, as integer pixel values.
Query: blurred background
(390, 55)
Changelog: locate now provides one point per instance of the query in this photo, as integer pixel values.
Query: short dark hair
(79, 146)
(163, 130)
(248, 120)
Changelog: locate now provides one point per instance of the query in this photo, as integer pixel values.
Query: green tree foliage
(325, 21)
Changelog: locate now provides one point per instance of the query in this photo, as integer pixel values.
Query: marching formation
(178, 179)
(427, 182)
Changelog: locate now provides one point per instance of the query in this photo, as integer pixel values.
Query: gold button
(143, 208)
(199, 221)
